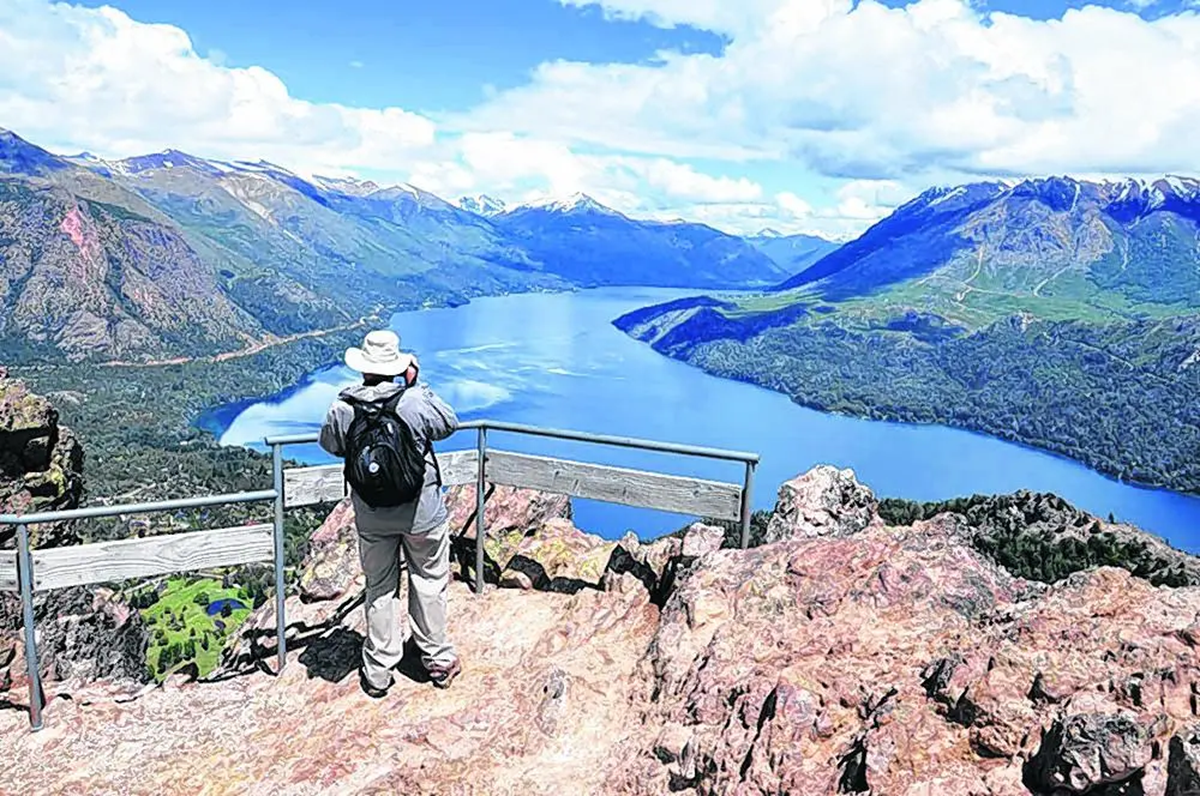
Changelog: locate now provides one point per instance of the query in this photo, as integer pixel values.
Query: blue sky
(796, 114)
(414, 53)
(435, 56)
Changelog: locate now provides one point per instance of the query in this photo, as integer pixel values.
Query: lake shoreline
(883, 417)
(494, 347)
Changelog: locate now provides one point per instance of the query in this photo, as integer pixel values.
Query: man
(420, 527)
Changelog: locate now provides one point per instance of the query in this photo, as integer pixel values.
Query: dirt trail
(256, 347)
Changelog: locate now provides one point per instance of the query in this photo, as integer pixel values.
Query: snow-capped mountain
(347, 185)
(588, 243)
(1040, 237)
(575, 203)
(482, 205)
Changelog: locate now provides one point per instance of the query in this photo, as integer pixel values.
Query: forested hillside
(1056, 313)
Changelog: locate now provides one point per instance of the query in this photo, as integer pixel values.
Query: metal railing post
(747, 503)
(479, 516)
(280, 624)
(25, 582)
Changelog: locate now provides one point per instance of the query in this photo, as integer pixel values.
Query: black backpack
(385, 464)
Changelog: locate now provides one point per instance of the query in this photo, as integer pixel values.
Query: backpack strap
(437, 468)
(390, 404)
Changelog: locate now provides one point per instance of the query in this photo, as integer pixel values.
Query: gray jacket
(430, 419)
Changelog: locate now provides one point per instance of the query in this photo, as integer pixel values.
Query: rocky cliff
(847, 655)
(82, 632)
(41, 463)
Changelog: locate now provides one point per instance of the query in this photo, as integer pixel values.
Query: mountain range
(794, 253)
(1057, 312)
(1054, 238)
(173, 255)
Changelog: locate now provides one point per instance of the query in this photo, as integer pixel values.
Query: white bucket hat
(380, 355)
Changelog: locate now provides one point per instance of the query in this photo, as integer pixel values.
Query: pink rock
(825, 501)
(700, 539)
(557, 556)
(883, 660)
(332, 566)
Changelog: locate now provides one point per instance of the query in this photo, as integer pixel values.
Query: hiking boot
(373, 691)
(443, 676)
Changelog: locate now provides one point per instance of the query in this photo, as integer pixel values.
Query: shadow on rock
(334, 656)
(622, 561)
(524, 572)
(257, 647)
(410, 665)
(462, 550)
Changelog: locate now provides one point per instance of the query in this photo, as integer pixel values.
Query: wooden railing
(28, 571)
(310, 485)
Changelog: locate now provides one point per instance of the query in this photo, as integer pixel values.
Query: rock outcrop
(825, 501)
(332, 566)
(41, 463)
(82, 633)
(849, 656)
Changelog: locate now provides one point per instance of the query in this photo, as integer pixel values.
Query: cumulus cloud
(861, 90)
(527, 169)
(851, 106)
(72, 75)
(720, 16)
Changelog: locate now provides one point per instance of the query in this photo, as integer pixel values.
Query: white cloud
(851, 107)
(501, 162)
(681, 181)
(722, 16)
(859, 203)
(790, 203)
(872, 91)
(96, 79)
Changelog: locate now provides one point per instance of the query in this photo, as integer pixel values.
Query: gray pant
(428, 557)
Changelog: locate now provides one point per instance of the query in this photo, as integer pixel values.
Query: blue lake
(555, 360)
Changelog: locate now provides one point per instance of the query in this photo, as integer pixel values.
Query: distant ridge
(793, 253)
(481, 205)
(591, 244)
(173, 255)
(1025, 237)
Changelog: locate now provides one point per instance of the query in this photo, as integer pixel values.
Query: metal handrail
(93, 512)
(25, 563)
(24, 558)
(579, 436)
(482, 426)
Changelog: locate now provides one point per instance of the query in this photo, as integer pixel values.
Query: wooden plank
(8, 570)
(304, 486)
(692, 496)
(459, 467)
(102, 562)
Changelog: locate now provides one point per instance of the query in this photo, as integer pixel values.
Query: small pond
(216, 606)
